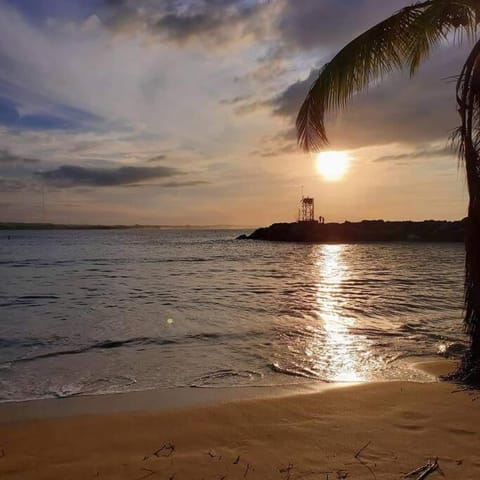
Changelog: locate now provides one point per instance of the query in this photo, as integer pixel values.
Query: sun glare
(332, 165)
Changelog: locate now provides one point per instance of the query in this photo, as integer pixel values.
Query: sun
(332, 165)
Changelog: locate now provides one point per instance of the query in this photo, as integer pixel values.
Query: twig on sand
(166, 447)
(237, 460)
(425, 470)
(287, 470)
(246, 470)
(149, 473)
(359, 452)
(309, 473)
(357, 457)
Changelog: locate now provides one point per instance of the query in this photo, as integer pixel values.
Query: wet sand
(304, 435)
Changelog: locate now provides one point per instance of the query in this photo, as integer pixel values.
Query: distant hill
(58, 226)
(364, 231)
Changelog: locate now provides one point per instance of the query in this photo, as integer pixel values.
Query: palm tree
(404, 40)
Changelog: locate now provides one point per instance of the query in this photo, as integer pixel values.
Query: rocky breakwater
(364, 231)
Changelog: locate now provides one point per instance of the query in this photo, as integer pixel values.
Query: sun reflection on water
(342, 351)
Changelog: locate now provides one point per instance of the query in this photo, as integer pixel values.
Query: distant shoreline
(60, 226)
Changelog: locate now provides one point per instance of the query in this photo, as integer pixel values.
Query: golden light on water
(345, 363)
(332, 165)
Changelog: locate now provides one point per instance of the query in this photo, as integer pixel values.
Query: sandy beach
(399, 426)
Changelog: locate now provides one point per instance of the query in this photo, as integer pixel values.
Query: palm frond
(436, 22)
(405, 38)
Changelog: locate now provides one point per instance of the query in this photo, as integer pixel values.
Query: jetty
(308, 229)
(364, 231)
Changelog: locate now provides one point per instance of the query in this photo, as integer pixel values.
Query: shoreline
(164, 399)
(155, 400)
(364, 431)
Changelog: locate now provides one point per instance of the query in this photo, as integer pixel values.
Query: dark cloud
(191, 183)
(9, 185)
(289, 101)
(426, 153)
(188, 183)
(157, 158)
(323, 24)
(397, 110)
(6, 157)
(67, 176)
(181, 21)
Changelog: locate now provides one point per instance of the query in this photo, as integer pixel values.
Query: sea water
(100, 311)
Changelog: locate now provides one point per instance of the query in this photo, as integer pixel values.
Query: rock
(364, 231)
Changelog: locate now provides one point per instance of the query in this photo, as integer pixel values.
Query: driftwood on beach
(364, 231)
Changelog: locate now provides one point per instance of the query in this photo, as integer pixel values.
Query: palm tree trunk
(468, 97)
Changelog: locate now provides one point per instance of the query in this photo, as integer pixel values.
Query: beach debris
(237, 460)
(425, 470)
(309, 473)
(212, 453)
(165, 450)
(2, 453)
(246, 470)
(363, 462)
(148, 474)
(342, 475)
(288, 469)
(360, 451)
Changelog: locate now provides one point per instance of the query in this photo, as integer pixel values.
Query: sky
(182, 112)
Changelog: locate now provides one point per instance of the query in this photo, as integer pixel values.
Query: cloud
(234, 100)
(157, 158)
(11, 185)
(188, 183)
(6, 157)
(183, 21)
(67, 176)
(327, 24)
(47, 117)
(416, 154)
(397, 110)
(289, 101)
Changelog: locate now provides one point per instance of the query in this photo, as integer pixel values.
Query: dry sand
(309, 436)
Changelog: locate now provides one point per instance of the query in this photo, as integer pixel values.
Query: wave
(222, 376)
(114, 344)
(296, 371)
(105, 345)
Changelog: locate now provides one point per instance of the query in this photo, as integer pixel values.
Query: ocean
(100, 311)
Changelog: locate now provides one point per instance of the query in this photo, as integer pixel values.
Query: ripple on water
(170, 308)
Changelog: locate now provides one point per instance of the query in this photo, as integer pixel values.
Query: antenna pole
(43, 202)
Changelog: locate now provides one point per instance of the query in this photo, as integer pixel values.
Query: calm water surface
(84, 312)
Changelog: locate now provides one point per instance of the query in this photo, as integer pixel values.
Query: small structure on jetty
(306, 212)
